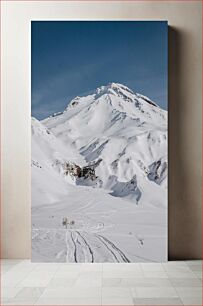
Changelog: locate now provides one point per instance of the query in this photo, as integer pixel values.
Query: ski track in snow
(75, 247)
(84, 249)
(89, 248)
(114, 255)
(80, 246)
(125, 259)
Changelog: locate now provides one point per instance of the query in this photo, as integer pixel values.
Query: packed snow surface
(99, 180)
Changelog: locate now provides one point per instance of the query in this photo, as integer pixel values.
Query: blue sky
(71, 58)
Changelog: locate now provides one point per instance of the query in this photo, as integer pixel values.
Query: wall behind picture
(185, 73)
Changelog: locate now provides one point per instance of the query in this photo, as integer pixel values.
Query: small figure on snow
(65, 222)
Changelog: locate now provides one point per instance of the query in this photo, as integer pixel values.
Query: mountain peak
(113, 88)
(117, 90)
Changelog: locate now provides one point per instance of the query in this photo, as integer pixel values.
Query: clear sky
(71, 58)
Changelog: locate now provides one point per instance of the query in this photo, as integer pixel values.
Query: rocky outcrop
(77, 172)
(158, 171)
(124, 189)
(72, 169)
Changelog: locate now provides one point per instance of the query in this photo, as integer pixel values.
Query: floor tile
(116, 292)
(35, 281)
(113, 267)
(178, 274)
(177, 268)
(21, 301)
(90, 274)
(123, 274)
(148, 282)
(153, 292)
(136, 282)
(155, 274)
(97, 267)
(69, 301)
(61, 283)
(174, 263)
(11, 261)
(189, 291)
(88, 282)
(196, 268)
(157, 301)
(198, 274)
(50, 267)
(70, 268)
(192, 301)
(89, 279)
(67, 274)
(112, 282)
(15, 275)
(117, 301)
(186, 282)
(4, 301)
(30, 292)
(9, 292)
(6, 268)
(37, 278)
(72, 292)
(193, 262)
(152, 267)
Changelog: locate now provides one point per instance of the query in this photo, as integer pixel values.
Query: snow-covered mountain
(127, 132)
(115, 142)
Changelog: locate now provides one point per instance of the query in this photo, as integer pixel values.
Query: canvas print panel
(99, 141)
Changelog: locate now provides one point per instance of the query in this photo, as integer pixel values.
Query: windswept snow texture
(99, 180)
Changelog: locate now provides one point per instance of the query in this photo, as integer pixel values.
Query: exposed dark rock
(123, 189)
(35, 163)
(86, 172)
(74, 103)
(158, 171)
(72, 169)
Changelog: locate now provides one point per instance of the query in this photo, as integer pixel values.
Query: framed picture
(99, 141)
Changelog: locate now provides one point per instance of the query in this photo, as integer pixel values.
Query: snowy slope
(48, 157)
(127, 131)
(103, 163)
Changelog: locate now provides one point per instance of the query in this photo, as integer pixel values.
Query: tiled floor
(172, 283)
